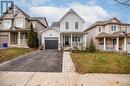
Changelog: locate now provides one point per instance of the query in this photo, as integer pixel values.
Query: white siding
(50, 33)
(71, 18)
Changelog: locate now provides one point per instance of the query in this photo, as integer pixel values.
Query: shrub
(91, 47)
(32, 38)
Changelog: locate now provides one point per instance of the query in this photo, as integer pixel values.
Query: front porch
(71, 41)
(112, 44)
(18, 39)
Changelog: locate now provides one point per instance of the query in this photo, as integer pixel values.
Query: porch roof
(72, 32)
(115, 34)
(9, 30)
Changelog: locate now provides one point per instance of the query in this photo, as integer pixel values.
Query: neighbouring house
(67, 33)
(15, 24)
(110, 35)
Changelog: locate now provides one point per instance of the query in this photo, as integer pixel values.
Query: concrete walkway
(62, 79)
(67, 66)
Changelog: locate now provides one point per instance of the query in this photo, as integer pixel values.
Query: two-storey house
(15, 24)
(110, 35)
(67, 33)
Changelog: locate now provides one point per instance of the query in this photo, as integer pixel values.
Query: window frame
(66, 25)
(99, 29)
(19, 22)
(113, 28)
(76, 25)
(126, 29)
(76, 39)
(6, 26)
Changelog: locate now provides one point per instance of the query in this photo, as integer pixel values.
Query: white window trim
(100, 29)
(34, 25)
(113, 29)
(76, 39)
(77, 25)
(22, 21)
(5, 25)
(125, 29)
(66, 25)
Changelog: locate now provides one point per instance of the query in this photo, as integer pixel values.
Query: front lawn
(10, 53)
(101, 62)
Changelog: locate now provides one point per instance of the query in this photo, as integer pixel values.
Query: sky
(90, 10)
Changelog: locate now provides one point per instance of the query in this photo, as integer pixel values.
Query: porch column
(71, 41)
(85, 41)
(104, 43)
(125, 49)
(117, 43)
(19, 38)
(9, 40)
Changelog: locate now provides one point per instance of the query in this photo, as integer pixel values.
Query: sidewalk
(62, 79)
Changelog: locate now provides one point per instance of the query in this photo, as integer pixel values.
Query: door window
(66, 40)
(114, 41)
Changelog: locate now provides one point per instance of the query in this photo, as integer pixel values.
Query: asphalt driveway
(41, 61)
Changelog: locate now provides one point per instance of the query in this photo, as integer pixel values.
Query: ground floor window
(76, 38)
(101, 41)
(24, 36)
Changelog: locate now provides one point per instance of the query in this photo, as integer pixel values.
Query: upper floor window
(34, 25)
(19, 22)
(67, 25)
(113, 28)
(125, 29)
(7, 24)
(76, 25)
(99, 29)
(120, 28)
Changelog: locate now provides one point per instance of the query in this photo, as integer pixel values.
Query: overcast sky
(89, 10)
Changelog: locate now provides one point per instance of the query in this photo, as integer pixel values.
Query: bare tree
(123, 2)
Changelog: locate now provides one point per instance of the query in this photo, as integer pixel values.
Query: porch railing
(23, 41)
(108, 47)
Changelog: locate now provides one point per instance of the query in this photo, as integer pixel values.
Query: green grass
(101, 62)
(10, 53)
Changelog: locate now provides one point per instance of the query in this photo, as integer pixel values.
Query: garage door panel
(51, 44)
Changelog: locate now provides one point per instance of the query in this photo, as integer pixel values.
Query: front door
(114, 43)
(66, 40)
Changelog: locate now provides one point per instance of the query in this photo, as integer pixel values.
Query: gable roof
(25, 14)
(103, 23)
(72, 11)
(55, 24)
(11, 9)
(41, 20)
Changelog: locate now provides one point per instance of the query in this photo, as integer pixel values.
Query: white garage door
(128, 47)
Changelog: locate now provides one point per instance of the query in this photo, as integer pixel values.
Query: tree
(91, 47)
(123, 2)
(32, 38)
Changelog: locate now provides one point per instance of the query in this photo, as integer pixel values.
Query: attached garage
(50, 39)
(128, 45)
